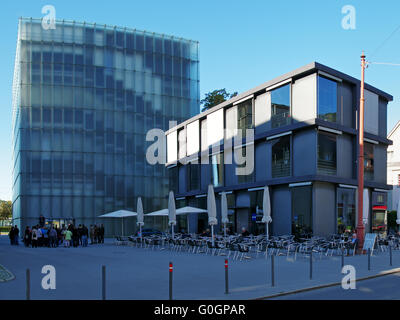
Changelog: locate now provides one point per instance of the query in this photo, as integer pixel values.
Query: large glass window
(368, 161)
(346, 209)
(301, 211)
(280, 106)
(173, 179)
(245, 116)
(281, 157)
(326, 153)
(327, 99)
(217, 169)
(193, 176)
(244, 178)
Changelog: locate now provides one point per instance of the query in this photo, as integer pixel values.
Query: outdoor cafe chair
(244, 252)
(233, 249)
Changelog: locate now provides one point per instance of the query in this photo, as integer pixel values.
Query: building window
(368, 161)
(281, 157)
(302, 211)
(346, 210)
(326, 153)
(193, 176)
(280, 106)
(217, 169)
(245, 116)
(327, 99)
(173, 174)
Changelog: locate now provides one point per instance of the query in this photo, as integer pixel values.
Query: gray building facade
(305, 149)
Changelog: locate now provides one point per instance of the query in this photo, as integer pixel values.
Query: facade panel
(84, 97)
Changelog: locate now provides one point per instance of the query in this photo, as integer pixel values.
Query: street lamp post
(360, 225)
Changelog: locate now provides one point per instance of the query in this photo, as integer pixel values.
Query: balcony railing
(281, 169)
(327, 167)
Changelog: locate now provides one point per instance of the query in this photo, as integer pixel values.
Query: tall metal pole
(360, 225)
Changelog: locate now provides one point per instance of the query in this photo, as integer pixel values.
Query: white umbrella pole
(212, 235)
(122, 226)
(140, 228)
(267, 229)
(225, 230)
(188, 229)
(172, 230)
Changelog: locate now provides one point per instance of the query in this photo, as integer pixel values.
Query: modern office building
(305, 149)
(84, 97)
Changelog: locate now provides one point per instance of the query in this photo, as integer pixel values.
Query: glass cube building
(84, 97)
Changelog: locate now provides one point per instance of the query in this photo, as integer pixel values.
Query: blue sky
(242, 43)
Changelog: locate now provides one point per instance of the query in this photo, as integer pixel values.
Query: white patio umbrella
(212, 210)
(140, 216)
(188, 210)
(266, 210)
(171, 212)
(224, 211)
(158, 213)
(121, 214)
(365, 206)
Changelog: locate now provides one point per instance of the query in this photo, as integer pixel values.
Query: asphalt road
(380, 288)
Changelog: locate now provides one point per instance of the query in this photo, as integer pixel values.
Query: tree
(215, 97)
(5, 209)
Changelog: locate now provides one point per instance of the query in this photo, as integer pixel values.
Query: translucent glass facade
(84, 96)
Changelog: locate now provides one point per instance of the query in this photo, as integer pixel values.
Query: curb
(381, 274)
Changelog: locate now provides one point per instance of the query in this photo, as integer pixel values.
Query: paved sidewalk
(137, 273)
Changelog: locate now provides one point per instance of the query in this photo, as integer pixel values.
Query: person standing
(68, 237)
(16, 235)
(96, 234)
(85, 234)
(75, 237)
(79, 230)
(45, 237)
(27, 236)
(34, 237)
(91, 234)
(39, 236)
(53, 237)
(101, 233)
(11, 235)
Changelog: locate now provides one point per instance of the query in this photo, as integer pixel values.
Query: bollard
(226, 277)
(342, 258)
(311, 264)
(390, 253)
(369, 259)
(28, 285)
(103, 282)
(171, 269)
(272, 271)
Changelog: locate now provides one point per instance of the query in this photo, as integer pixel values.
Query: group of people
(52, 236)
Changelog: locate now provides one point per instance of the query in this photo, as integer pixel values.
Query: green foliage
(215, 97)
(5, 229)
(5, 209)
